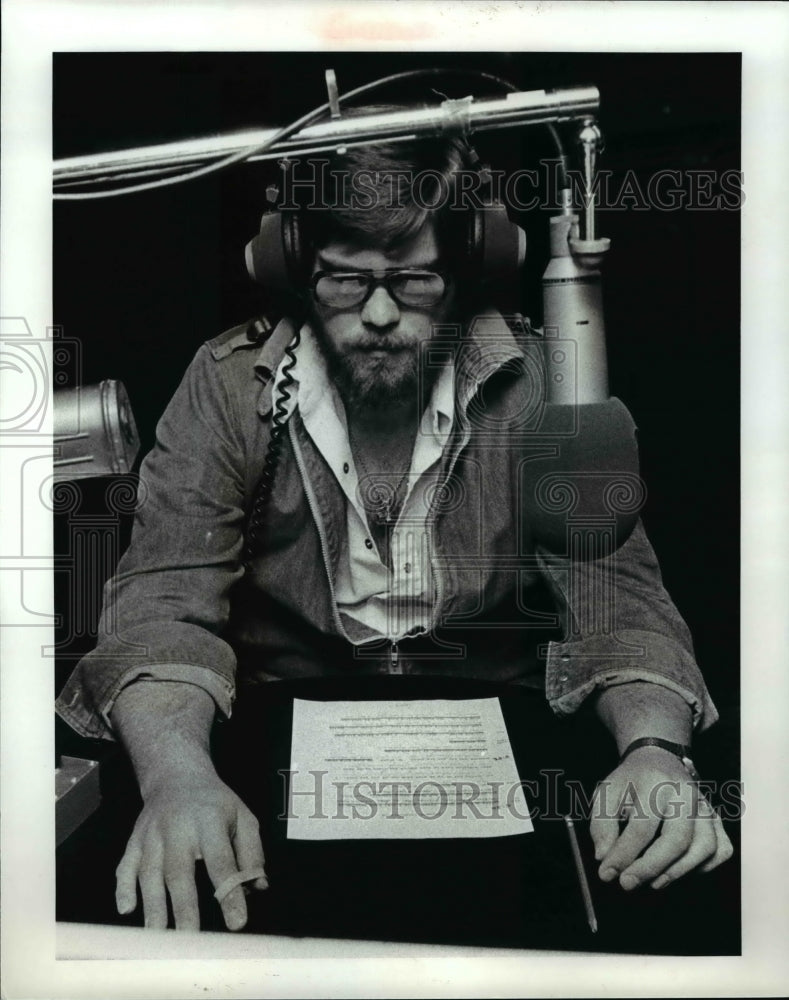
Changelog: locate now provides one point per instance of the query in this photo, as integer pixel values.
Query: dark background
(143, 280)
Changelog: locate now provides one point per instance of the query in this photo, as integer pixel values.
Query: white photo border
(33, 30)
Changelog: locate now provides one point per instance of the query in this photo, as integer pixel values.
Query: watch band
(678, 749)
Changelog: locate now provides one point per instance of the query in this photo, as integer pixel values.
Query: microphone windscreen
(582, 477)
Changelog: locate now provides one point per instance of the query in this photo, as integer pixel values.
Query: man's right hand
(201, 818)
(189, 813)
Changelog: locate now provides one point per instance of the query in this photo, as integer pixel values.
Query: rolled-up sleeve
(166, 606)
(620, 626)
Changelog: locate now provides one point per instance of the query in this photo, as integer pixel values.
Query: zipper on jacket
(395, 667)
(394, 654)
(321, 531)
(430, 526)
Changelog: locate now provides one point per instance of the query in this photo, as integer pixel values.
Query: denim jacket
(182, 607)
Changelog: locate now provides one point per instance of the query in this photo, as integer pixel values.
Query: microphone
(582, 492)
(580, 486)
(94, 431)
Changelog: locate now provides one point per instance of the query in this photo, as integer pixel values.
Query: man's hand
(653, 792)
(179, 824)
(188, 814)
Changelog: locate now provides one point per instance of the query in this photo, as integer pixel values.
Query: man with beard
(322, 558)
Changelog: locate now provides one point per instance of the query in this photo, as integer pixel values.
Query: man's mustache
(381, 343)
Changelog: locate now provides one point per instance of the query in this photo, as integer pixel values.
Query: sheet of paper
(403, 769)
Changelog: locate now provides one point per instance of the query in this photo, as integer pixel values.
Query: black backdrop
(144, 279)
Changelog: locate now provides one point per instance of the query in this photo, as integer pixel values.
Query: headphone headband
(279, 259)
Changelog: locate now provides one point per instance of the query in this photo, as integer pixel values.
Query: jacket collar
(487, 345)
(268, 360)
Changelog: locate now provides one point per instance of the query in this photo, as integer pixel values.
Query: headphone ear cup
(275, 258)
(265, 255)
(500, 245)
(475, 241)
(292, 244)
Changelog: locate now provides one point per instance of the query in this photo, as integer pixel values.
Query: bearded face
(373, 348)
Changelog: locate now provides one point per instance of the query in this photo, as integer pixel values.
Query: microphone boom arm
(534, 107)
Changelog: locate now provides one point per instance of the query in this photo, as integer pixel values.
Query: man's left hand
(669, 827)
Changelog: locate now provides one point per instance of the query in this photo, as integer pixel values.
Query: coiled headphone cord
(265, 486)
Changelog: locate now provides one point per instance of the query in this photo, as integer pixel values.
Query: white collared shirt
(385, 602)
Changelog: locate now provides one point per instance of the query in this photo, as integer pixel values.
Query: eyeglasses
(412, 288)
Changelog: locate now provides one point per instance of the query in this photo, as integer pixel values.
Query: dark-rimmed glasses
(413, 288)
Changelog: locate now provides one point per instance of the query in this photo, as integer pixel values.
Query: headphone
(279, 257)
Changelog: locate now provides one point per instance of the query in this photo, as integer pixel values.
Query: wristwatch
(678, 749)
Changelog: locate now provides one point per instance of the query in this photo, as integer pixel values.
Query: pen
(582, 880)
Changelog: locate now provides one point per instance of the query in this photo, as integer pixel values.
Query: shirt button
(368, 542)
(346, 468)
(407, 567)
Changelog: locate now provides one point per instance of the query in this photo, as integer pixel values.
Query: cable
(265, 485)
(563, 164)
(244, 154)
(287, 131)
(554, 132)
(127, 175)
(212, 168)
